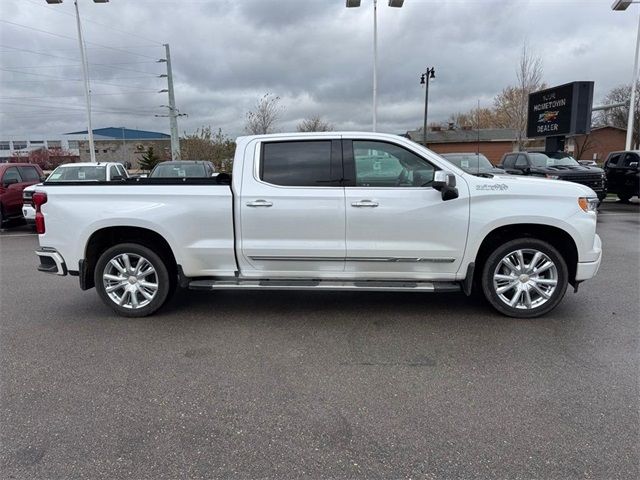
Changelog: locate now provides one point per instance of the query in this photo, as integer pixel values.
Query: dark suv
(15, 177)
(557, 166)
(623, 174)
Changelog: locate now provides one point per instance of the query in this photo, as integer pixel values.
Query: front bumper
(587, 270)
(51, 261)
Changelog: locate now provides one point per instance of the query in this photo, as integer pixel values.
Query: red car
(15, 177)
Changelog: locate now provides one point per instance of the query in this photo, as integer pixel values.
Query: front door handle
(365, 203)
(259, 203)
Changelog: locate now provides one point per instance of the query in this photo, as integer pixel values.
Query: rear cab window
(29, 174)
(301, 163)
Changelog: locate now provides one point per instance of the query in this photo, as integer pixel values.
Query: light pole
(424, 80)
(85, 73)
(392, 3)
(621, 5)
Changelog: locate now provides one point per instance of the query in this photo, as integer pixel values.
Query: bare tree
(583, 143)
(205, 144)
(477, 118)
(263, 119)
(314, 124)
(618, 116)
(511, 104)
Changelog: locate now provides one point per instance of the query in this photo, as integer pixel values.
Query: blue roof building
(120, 133)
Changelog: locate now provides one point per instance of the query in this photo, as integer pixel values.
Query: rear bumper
(587, 270)
(29, 213)
(51, 261)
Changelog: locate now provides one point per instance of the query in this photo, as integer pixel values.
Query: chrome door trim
(278, 258)
(350, 259)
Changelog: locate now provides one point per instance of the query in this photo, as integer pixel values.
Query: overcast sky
(315, 54)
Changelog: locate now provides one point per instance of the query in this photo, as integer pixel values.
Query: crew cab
(555, 166)
(14, 178)
(623, 174)
(333, 211)
(75, 172)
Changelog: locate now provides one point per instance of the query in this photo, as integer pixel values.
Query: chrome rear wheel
(130, 280)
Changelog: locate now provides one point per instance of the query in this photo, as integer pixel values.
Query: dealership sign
(559, 111)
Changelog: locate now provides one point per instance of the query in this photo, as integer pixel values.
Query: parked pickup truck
(74, 172)
(323, 211)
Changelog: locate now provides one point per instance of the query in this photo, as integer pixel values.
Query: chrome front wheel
(525, 279)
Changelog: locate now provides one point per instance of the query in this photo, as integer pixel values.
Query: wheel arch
(107, 237)
(560, 239)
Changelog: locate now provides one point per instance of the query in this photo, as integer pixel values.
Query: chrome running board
(295, 284)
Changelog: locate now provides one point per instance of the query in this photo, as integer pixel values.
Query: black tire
(160, 275)
(1, 216)
(624, 197)
(528, 245)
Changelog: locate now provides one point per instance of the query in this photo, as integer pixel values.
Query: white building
(16, 144)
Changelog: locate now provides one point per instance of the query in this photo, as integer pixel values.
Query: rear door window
(298, 164)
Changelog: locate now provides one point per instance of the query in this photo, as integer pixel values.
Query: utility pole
(173, 113)
(424, 80)
(87, 87)
(375, 65)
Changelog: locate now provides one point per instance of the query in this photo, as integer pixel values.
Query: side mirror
(445, 183)
(442, 179)
(9, 181)
(43, 178)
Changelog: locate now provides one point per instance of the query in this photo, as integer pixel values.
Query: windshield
(552, 160)
(178, 171)
(469, 161)
(89, 173)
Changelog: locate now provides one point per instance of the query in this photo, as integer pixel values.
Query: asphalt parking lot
(320, 385)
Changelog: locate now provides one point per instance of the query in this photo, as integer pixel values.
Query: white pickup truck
(333, 211)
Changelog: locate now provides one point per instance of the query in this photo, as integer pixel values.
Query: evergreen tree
(149, 160)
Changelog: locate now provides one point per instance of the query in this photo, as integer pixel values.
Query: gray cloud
(315, 54)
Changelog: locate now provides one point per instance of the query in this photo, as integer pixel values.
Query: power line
(56, 107)
(72, 96)
(112, 66)
(72, 38)
(35, 52)
(78, 64)
(64, 79)
(84, 19)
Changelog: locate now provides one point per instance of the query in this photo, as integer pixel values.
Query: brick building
(597, 144)
(491, 142)
(118, 144)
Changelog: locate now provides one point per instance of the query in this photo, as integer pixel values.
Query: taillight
(39, 199)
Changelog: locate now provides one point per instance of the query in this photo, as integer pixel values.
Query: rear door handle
(365, 203)
(259, 203)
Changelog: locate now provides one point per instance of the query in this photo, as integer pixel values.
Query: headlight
(588, 204)
(553, 177)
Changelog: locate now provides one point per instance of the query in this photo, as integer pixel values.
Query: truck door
(397, 224)
(292, 213)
